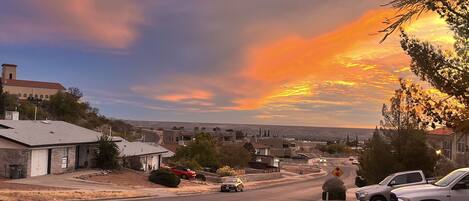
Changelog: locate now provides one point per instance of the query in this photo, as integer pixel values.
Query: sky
(302, 62)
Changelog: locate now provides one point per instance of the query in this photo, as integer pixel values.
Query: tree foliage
(400, 143)
(446, 70)
(107, 154)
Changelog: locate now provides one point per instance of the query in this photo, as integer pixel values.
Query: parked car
(452, 187)
(322, 160)
(355, 162)
(183, 172)
(382, 191)
(232, 184)
(351, 159)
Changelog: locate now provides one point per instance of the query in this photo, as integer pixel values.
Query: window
(41, 96)
(11, 76)
(35, 96)
(466, 181)
(414, 177)
(461, 147)
(65, 158)
(25, 95)
(47, 96)
(30, 95)
(398, 180)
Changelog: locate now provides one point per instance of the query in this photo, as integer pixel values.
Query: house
(150, 155)
(26, 89)
(261, 149)
(441, 139)
(453, 144)
(45, 147)
(280, 147)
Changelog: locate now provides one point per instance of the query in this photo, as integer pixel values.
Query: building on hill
(25, 89)
(453, 145)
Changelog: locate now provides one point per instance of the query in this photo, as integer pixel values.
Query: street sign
(337, 172)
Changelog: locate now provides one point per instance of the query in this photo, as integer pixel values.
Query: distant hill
(299, 132)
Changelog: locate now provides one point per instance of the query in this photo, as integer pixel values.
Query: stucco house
(45, 147)
(150, 155)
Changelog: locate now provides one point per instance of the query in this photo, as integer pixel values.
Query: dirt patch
(26, 187)
(124, 178)
(64, 195)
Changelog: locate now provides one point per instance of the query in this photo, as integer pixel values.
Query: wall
(56, 159)
(87, 156)
(14, 157)
(16, 90)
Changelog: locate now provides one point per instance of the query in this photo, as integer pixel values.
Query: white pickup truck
(452, 187)
(382, 191)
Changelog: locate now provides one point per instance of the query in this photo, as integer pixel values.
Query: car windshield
(445, 181)
(386, 180)
(229, 180)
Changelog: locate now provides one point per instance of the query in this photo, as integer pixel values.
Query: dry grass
(63, 195)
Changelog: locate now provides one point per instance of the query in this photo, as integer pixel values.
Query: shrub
(164, 177)
(107, 154)
(335, 188)
(200, 177)
(226, 171)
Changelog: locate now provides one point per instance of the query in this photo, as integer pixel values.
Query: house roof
(260, 146)
(11, 65)
(137, 148)
(441, 131)
(34, 84)
(46, 133)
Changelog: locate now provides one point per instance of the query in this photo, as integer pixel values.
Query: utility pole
(35, 112)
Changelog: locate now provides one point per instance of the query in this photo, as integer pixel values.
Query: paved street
(306, 190)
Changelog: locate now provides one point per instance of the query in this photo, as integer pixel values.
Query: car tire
(378, 198)
(184, 176)
(242, 188)
(236, 189)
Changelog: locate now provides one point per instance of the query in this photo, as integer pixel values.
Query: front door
(39, 162)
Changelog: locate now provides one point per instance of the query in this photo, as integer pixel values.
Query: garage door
(39, 161)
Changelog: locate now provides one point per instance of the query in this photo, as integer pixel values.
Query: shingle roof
(137, 148)
(34, 84)
(46, 133)
(441, 131)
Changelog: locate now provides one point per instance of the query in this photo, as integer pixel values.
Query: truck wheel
(183, 176)
(378, 198)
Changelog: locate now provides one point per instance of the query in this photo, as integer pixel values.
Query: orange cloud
(99, 24)
(177, 97)
(344, 68)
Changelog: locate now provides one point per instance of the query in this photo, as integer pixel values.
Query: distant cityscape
(297, 132)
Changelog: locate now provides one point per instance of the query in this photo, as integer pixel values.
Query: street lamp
(438, 152)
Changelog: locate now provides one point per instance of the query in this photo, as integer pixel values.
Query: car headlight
(362, 194)
(403, 199)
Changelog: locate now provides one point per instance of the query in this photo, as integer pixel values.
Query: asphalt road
(306, 190)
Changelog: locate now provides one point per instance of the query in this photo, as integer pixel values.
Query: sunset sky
(303, 62)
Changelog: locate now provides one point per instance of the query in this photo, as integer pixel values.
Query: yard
(132, 179)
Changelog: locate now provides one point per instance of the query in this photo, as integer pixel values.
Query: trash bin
(16, 171)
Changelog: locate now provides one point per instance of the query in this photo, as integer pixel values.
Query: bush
(335, 188)
(443, 167)
(226, 171)
(164, 177)
(107, 154)
(200, 177)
